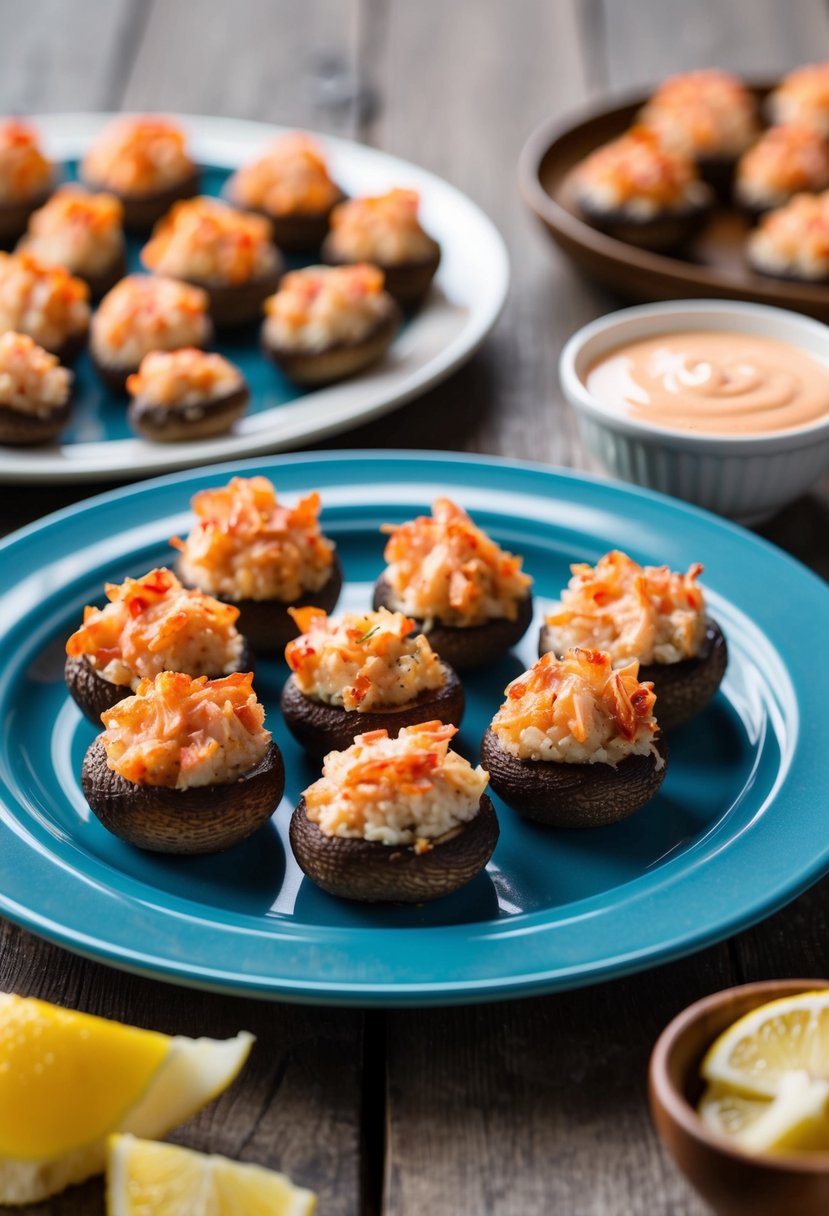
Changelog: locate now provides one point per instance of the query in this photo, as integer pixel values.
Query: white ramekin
(747, 478)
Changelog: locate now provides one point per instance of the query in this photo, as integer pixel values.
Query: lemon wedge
(787, 1035)
(795, 1120)
(68, 1080)
(149, 1179)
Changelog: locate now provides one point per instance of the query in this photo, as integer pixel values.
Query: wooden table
(524, 1108)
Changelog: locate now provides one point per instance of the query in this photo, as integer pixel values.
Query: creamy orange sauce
(714, 382)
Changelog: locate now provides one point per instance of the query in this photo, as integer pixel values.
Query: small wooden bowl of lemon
(739, 1093)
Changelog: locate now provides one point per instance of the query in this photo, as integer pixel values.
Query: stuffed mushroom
(184, 766)
(802, 96)
(386, 231)
(228, 253)
(327, 322)
(469, 596)
(648, 613)
(792, 242)
(638, 191)
(290, 185)
(83, 232)
(786, 160)
(402, 819)
(149, 625)
(185, 394)
(262, 557)
(142, 160)
(45, 302)
(362, 672)
(27, 178)
(35, 391)
(144, 313)
(575, 744)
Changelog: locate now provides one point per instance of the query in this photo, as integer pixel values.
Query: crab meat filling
(637, 175)
(290, 178)
(24, 170)
(325, 306)
(410, 790)
(144, 313)
(578, 710)
(138, 156)
(31, 380)
(650, 613)
(180, 733)
(784, 161)
(794, 239)
(204, 239)
(384, 229)
(361, 661)
(803, 96)
(78, 230)
(247, 545)
(184, 377)
(442, 567)
(154, 624)
(45, 302)
(704, 113)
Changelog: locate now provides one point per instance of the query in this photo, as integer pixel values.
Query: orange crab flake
(290, 178)
(233, 242)
(25, 168)
(638, 165)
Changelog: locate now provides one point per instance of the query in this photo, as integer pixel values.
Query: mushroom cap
(172, 423)
(370, 872)
(467, 646)
(142, 210)
(406, 282)
(341, 359)
(572, 795)
(202, 819)
(321, 728)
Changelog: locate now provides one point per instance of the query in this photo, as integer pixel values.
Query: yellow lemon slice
(796, 1120)
(67, 1080)
(788, 1035)
(149, 1179)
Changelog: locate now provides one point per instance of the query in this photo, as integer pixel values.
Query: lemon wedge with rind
(788, 1035)
(796, 1120)
(145, 1178)
(76, 1095)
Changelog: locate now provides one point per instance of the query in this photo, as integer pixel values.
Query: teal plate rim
(730, 879)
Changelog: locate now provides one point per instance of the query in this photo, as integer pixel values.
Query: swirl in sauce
(716, 383)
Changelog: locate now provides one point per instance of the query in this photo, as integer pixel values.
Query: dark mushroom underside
(406, 282)
(94, 694)
(321, 728)
(142, 210)
(660, 233)
(370, 872)
(682, 689)
(266, 623)
(104, 280)
(338, 361)
(472, 645)
(14, 217)
(203, 819)
(234, 305)
(20, 428)
(572, 795)
(180, 423)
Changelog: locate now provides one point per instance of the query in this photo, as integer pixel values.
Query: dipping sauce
(713, 382)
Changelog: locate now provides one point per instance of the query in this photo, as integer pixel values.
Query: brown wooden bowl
(466, 647)
(734, 1183)
(321, 728)
(203, 819)
(371, 872)
(572, 795)
(714, 264)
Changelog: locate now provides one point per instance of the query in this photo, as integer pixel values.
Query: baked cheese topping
(145, 312)
(649, 613)
(204, 239)
(247, 545)
(325, 306)
(361, 661)
(794, 238)
(24, 170)
(383, 229)
(154, 624)
(405, 791)
(784, 161)
(637, 174)
(578, 710)
(180, 733)
(703, 113)
(803, 96)
(138, 155)
(290, 178)
(78, 230)
(31, 380)
(45, 302)
(184, 377)
(443, 568)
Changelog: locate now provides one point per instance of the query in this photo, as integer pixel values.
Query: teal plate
(736, 831)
